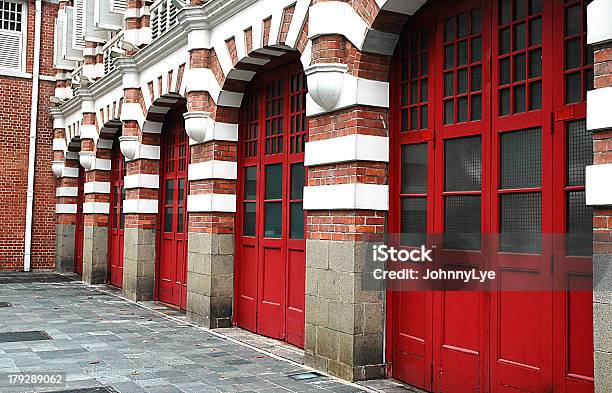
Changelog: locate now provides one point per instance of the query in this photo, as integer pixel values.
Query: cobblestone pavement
(100, 340)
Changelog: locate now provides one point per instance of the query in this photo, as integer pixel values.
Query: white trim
(132, 111)
(66, 191)
(347, 148)
(70, 172)
(336, 17)
(599, 29)
(356, 196)
(141, 181)
(211, 203)
(598, 185)
(140, 206)
(89, 131)
(59, 144)
(101, 164)
(97, 187)
(599, 115)
(219, 132)
(147, 152)
(214, 169)
(96, 207)
(66, 208)
(354, 91)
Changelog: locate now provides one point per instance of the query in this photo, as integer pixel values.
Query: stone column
(65, 210)
(346, 199)
(137, 25)
(140, 207)
(598, 190)
(97, 204)
(212, 196)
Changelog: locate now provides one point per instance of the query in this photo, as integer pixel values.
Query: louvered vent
(59, 41)
(90, 31)
(11, 35)
(104, 18)
(78, 21)
(118, 6)
(68, 51)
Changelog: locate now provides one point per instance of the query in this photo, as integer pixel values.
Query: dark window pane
(169, 192)
(414, 92)
(297, 221)
(520, 9)
(181, 192)
(404, 119)
(504, 102)
(535, 63)
(405, 94)
(250, 183)
(462, 25)
(504, 41)
(462, 110)
(476, 84)
(273, 220)
(520, 37)
(504, 71)
(414, 221)
(462, 222)
(520, 99)
(476, 113)
(521, 223)
(579, 151)
(535, 32)
(181, 220)
(168, 217)
(449, 112)
(588, 80)
(449, 85)
(573, 88)
(274, 181)
(424, 90)
(449, 30)
(535, 7)
(476, 21)
(298, 177)
(449, 56)
(414, 118)
(535, 96)
(520, 67)
(462, 81)
(505, 11)
(521, 159)
(573, 20)
(414, 169)
(573, 54)
(424, 119)
(579, 225)
(250, 219)
(463, 164)
(424, 64)
(462, 53)
(476, 50)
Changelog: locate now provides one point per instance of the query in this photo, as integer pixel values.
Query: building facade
(234, 158)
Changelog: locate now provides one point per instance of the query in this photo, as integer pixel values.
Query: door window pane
(579, 151)
(298, 176)
(250, 219)
(413, 221)
(169, 192)
(579, 225)
(250, 183)
(414, 169)
(273, 220)
(463, 164)
(462, 222)
(521, 158)
(297, 220)
(168, 218)
(181, 220)
(274, 181)
(521, 223)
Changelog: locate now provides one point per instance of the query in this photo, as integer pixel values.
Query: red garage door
(117, 218)
(172, 240)
(80, 223)
(270, 250)
(474, 88)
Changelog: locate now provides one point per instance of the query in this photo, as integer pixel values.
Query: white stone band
(97, 187)
(66, 208)
(66, 191)
(356, 196)
(140, 206)
(347, 148)
(598, 185)
(141, 181)
(599, 115)
(96, 208)
(204, 203)
(214, 169)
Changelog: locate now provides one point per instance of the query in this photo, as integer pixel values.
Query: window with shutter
(12, 35)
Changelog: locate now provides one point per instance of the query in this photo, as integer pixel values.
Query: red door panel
(80, 224)
(474, 88)
(270, 246)
(172, 239)
(117, 218)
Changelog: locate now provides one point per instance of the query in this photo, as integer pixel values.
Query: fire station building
(232, 157)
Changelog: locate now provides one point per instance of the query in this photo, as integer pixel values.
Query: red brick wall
(14, 146)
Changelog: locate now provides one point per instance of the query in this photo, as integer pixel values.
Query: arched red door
(117, 218)
(172, 239)
(80, 223)
(489, 137)
(270, 247)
